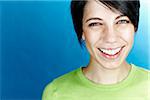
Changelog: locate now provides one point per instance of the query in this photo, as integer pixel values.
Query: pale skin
(105, 29)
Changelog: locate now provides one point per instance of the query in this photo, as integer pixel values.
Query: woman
(108, 29)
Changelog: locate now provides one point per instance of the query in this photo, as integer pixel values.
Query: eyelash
(94, 24)
(119, 22)
(123, 22)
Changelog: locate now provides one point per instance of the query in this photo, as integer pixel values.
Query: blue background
(38, 44)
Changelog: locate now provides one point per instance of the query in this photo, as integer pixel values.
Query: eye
(95, 24)
(124, 21)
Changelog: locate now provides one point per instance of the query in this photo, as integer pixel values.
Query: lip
(111, 48)
(108, 56)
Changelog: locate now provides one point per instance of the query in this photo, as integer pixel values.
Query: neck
(99, 74)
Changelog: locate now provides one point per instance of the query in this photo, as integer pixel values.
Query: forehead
(96, 8)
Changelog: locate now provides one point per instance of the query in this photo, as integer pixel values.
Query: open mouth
(111, 52)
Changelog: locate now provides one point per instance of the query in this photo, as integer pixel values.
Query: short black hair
(126, 7)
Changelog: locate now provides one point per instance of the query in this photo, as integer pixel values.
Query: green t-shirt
(75, 86)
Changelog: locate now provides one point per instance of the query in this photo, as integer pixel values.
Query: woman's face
(109, 35)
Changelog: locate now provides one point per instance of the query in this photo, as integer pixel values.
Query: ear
(83, 37)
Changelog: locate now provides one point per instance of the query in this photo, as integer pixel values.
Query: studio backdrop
(38, 43)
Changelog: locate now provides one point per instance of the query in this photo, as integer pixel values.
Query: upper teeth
(111, 52)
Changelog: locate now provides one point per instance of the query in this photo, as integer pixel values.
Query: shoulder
(141, 70)
(48, 91)
(68, 77)
(59, 83)
(141, 73)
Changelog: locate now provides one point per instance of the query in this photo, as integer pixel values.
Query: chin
(110, 65)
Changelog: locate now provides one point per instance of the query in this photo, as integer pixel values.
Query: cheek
(128, 34)
(92, 37)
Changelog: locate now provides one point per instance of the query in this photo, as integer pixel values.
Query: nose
(110, 35)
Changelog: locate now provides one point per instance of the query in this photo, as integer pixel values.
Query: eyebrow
(94, 18)
(97, 18)
(119, 16)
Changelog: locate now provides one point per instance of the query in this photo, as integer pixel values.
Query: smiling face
(109, 35)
